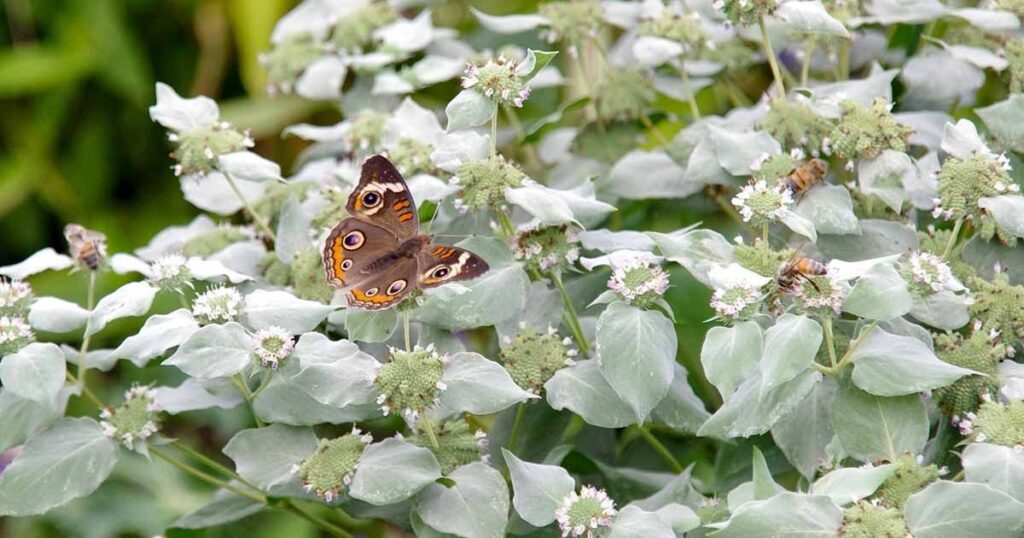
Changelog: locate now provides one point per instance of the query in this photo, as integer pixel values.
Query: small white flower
(760, 199)
(635, 277)
(218, 305)
(930, 270)
(13, 329)
(272, 345)
(12, 292)
(584, 513)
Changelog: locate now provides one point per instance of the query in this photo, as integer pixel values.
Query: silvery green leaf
(479, 386)
(171, 239)
(880, 294)
(752, 411)
(674, 87)
(962, 140)
(977, 56)
(543, 309)
(607, 241)
(550, 206)
(829, 209)
(764, 486)
(1005, 121)
(999, 467)
(433, 69)
(634, 522)
(46, 259)
(248, 166)
(894, 11)
(213, 193)
(953, 509)
(809, 18)
(96, 359)
(214, 271)
(265, 456)
(984, 256)
(923, 189)
(1007, 210)
(180, 114)
(536, 60)
(873, 428)
(337, 373)
(640, 175)
(195, 394)
(54, 315)
(538, 490)
(681, 409)
(890, 365)
(679, 489)
(457, 148)
(498, 295)
(509, 24)
(959, 80)
(410, 35)
(826, 97)
(927, 125)
(392, 471)
(475, 507)
(370, 325)
(992, 20)
(428, 187)
(652, 51)
(846, 271)
(49, 471)
(391, 83)
(699, 251)
(21, 418)
(123, 264)
(792, 515)
(132, 299)
(284, 400)
(318, 133)
(680, 517)
(703, 168)
(943, 310)
(738, 151)
(224, 508)
(789, 349)
(885, 176)
(160, 333)
(322, 79)
(264, 308)
(799, 224)
(730, 354)
(293, 225)
(214, 351)
(803, 434)
(877, 238)
(35, 373)
(469, 108)
(851, 484)
(740, 495)
(636, 350)
(583, 390)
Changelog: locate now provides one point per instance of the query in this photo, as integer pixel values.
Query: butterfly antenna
(437, 209)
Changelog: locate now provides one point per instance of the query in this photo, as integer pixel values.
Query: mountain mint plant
(683, 329)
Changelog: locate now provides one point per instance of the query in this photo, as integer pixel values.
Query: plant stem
(258, 497)
(772, 61)
(826, 321)
(335, 530)
(805, 69)
(428, 428)
(494, 134)
(730, 211)
(660, 449)
(267, 374)
(211, 463)
(844, 59)
(405, 330)
(84, 350)
(244, 389)
(520, 412)
(653, 129)
(688, 88)
(89, 395)
(259, 220)
(506, 223)
(529, 151)
(952, 238)
(573, 320)
(764, 241)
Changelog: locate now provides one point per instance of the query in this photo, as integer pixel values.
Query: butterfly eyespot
(396, 287)
(371, 199)
(372, 292)
(346, 265)
(440, 272)
(354, 240)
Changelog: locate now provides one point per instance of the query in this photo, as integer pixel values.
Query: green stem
(256, 217)
(730, 211)
(260, 498)
(428, 428)
(335, 530)
(87, 339)
(958, 476)
(244, 389)
(805, 69)
(89, 395)
(212, 464)
(520, 412)
(267, 374)
(660, 449)
(952, 238)
(772, 61)
(653, 129)
(844, 59)
(826, 321)
(574, 321)
(689, 92)
(506, 223)
(494, 134)
(405, 330)
(529, 151)
(764, 241)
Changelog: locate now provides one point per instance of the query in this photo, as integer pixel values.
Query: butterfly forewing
(381, 196)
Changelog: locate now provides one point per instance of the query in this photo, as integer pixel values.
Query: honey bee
(797, 269)
(805, 176)
(86, 246)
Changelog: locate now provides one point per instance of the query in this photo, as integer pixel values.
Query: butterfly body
(377, 256)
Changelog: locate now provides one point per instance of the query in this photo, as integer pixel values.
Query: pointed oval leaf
(789, 348)
(953, 509)
(538, 490)
(636, 350)
(392, 471)
(279, 308)
(133, 299)
(583, 390)
(872, 428)
(35, 373)
(890, 365)
(214, 351)
(265, 456)
(475, 507)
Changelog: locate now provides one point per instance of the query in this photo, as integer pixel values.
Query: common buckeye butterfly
(377, 255)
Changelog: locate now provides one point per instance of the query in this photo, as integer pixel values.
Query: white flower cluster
(731, 302)
(133, 422)
(218, 305)
(636, 277)
(272, 345)
(14, 329)
(760, 199)
(169, 267)
(13, 292)
(583, 513)
(930, 270)
(837, 291)
(498, 80)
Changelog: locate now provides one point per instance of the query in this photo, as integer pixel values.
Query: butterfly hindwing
(386, 288)
(383, 198)
(351, 247)
(439, 264)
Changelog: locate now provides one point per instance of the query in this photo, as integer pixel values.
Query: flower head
(329, 471)
(927, 273)
(637, 281)
(823, 292)
(909, 477)
(170, 272)
(797, 125)
(482, 184)
(532, 357)
(624, 93)
(218, 305)
(547, 248)
(584, 513)
(198, 150)
(498, 80)
(866, 132)
(354, 31)
(457, 445)
(980, 352)
(410, 382)
(135, 420)
(999, 424)
(683, 28)
(737, 291)
(997, 305)
(272, 345)
(758, 203)
(745, 12)
(713, 510)
(571, 21)
(288, 59)
(962, 182)
(14, 334)
(15, 297)
(866, 519)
